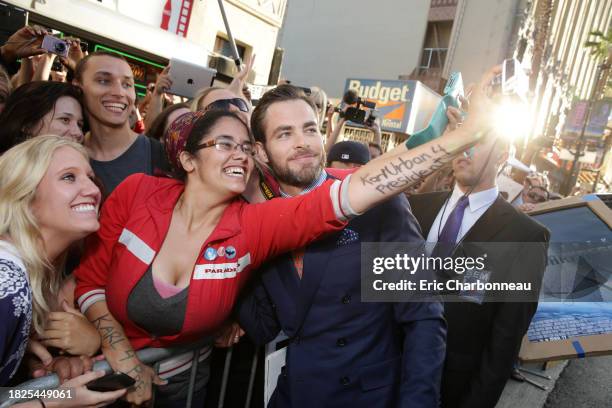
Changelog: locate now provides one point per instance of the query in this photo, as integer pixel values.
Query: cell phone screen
(111, 382)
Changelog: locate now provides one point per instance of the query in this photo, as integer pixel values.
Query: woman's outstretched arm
(395, 171)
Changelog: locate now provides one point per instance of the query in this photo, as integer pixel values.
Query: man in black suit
(483, 337)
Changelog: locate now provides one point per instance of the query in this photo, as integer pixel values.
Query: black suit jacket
(483, 340)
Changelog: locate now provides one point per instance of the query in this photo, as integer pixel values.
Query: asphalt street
(585, 383)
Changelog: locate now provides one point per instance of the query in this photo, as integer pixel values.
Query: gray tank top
(150, 311)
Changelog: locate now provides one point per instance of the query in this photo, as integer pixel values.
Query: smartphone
(454, 87)
(55, 46)
(111, 382)
(513, 80)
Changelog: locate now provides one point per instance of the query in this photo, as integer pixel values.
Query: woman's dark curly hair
(27, 105)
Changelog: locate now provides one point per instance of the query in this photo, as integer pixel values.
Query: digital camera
(55, 46)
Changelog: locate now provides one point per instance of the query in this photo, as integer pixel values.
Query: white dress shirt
(478, 204)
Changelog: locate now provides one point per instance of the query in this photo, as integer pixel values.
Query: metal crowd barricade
(150, 356)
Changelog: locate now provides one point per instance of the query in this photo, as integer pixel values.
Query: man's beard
(297, 178)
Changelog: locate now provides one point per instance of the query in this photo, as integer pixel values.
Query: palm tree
(601, 49)
(542, 17)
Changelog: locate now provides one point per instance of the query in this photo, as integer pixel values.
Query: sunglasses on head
(225, 104)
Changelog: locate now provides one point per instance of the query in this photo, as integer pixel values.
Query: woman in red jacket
(171, 255)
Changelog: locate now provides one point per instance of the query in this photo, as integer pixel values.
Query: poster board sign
(579, 323)
(274, 361)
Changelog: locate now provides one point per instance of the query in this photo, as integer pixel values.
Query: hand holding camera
(77, 50)
(26, 42)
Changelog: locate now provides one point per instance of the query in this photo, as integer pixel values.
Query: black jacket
(484, 339)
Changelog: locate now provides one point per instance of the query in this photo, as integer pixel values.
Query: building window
(223, 47)
(433, 58)
(435, 46)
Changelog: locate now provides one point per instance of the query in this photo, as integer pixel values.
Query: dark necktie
(448, 237)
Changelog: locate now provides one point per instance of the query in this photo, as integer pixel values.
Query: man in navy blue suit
(341, 351)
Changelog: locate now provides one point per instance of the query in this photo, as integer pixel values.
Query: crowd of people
(227, 219)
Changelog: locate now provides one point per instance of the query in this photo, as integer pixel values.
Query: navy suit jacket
(344, 352)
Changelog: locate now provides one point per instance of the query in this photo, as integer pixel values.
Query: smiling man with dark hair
(115, 150)
(342, 351)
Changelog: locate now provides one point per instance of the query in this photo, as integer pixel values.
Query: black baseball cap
(349, 152)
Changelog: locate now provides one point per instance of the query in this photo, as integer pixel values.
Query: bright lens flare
(512, 120)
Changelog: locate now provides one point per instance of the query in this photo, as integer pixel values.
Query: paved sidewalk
(524, 395)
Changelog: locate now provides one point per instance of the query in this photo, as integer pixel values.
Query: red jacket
(135, 220)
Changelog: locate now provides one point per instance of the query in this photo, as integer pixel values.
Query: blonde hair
(201, 95)
(21, 170)
(319, 97)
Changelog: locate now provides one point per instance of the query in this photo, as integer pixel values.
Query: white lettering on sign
(391, 123)
(380, 93)
(222, 270)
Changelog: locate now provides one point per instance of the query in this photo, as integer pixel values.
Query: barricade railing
(149, 356)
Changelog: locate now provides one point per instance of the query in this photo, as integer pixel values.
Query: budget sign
(400, 105)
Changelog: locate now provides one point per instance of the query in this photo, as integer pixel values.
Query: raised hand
(75, 53)
(239, 82)
(24, 43)
(164, 83)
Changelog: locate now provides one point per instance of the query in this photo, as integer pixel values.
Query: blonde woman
(319, 98)
(47, 201)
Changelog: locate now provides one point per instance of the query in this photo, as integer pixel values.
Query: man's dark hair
(80, 68)
(26, 107)
(376, 146)
(281, 93)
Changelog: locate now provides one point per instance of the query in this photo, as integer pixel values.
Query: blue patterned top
(15, 311)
